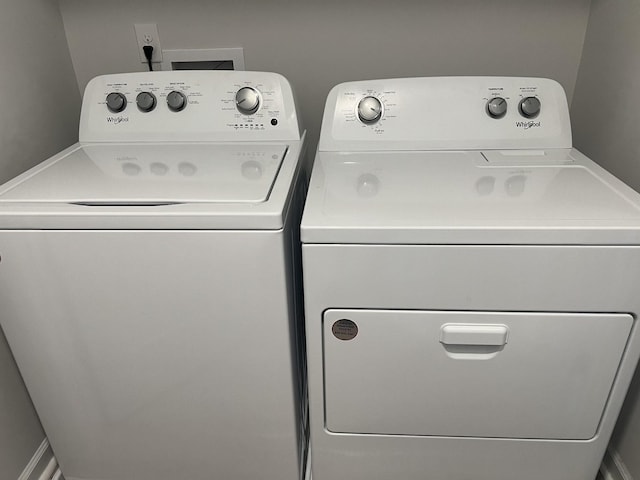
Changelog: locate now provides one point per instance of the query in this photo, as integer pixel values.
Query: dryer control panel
(189, 106)
(446, 113)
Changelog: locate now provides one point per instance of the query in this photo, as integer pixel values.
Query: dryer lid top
(153, 174)
(510, 197)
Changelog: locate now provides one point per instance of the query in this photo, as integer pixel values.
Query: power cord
(148, 54)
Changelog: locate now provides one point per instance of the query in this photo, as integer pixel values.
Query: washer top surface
(130, 175)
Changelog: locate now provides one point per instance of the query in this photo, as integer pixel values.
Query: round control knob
(116, 102)
(247, 100)
(369, 110)
(530, 107)
(176, 101)
(497, 107)
(146, 101)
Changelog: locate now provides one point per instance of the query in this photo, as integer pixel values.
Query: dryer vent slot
(125, 204)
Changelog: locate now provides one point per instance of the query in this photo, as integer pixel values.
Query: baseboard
(307, 473)
(40, 462)
(613, 468)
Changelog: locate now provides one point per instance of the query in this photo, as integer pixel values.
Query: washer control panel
(189, 106)
(446, 113)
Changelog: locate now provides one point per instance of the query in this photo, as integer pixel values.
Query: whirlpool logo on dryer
(117, 120)
(528, 125)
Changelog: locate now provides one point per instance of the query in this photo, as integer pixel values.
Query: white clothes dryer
(149, 281)
(471, 285)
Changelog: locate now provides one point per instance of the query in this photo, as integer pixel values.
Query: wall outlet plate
(147, 34)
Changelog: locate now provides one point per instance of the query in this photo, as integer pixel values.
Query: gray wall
(606, 126)
(319, 43)
(40, 101)
(626, 438)
(606, 110)
(20, 431)
(40, 105)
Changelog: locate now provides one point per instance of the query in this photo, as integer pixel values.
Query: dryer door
(471, 374)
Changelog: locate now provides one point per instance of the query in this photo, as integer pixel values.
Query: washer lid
(511, 197)
(151, 174)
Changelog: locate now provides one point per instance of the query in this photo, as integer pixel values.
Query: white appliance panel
(491, 278)
(471, 374)
(157, 354)
(209, 114)
(160, 173)
(445, 113)
(461, 197)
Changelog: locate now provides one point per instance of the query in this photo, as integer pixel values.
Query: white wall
(606, 126)
(319, 43)
(40, 106)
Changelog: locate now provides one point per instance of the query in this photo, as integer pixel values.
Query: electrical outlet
(147, 34)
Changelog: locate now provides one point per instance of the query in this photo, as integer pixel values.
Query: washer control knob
(497, 107)
(116, 102)
(530, 107)
(176, 101)
(146, 101)
(247, 100)
(369, 110)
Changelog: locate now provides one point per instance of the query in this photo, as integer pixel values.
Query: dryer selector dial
(497, 107)
(370, 110)
(247, 100)
(176, 101)
(530, 107)
(116, 102)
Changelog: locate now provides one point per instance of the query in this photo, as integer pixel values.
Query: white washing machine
(471, 285)
(149, 281)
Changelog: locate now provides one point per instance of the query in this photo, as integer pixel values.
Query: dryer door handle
(474, 334)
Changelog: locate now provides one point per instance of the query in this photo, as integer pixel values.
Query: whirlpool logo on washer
(117, 120)
(528, 125)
